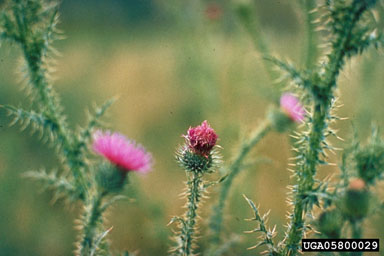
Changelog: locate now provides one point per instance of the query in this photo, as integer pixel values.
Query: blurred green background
(173, 65)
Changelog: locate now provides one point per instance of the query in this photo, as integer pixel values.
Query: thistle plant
(123, 156)
(351, 32)
(279, 119)
(353, 200)
(349, 36)
(365, 168)
(198, 156)
(32, 25)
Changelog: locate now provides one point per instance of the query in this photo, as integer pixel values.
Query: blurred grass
(168, 78)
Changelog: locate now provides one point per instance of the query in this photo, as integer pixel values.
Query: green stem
(356, 230)
(357, 233)
(311, 52)
(188, 231)
(92, 218)
(247, 15)
(51, 111)
(323, 98)
(234, 169)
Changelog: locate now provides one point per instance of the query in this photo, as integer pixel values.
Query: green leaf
(93, 122)
(298, 77)
(111, 201)
(38, 121)
(98, 241)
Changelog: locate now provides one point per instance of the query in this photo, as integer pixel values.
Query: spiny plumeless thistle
(124, 156)
(197, 156)
(32, 25)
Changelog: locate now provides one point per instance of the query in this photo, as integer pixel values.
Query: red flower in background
(213, 11)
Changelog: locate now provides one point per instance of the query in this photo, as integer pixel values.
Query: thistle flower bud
(194, 162)
(198, 154)
(290, 112)
(356, 200)
(370, 162)
(330, 223)
(110, 178)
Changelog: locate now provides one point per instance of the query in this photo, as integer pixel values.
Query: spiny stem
(91, 223)
(34, 52)
(323, 99)
(194, 195)
(64, 135)
(234, 169)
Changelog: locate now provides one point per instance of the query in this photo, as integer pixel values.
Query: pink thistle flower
(292, 107)
(201, 139)
(122, 152)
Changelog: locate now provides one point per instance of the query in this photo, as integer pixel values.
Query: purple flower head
(201, 139)
(292, 107)
(122, 152)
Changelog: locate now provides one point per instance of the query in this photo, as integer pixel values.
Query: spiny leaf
(266, 235)
(257, 245)
(48, 128)
(98, 241)
(111, 201)
(176, 219)
(253, 206)
(296, 76)
(212, 183)
(60, 185)
(93, 121)
(25, 118)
